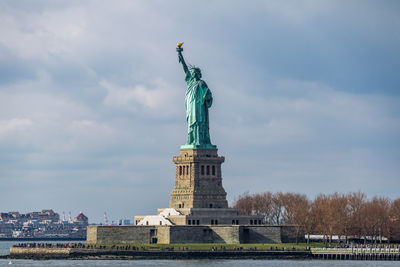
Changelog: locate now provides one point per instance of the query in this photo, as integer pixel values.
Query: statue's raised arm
(198, 99)
(179, 49)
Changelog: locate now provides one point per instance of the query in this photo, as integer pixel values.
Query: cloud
(8, 127)
(306, 112)
(42, 35)
(306, 135)
(92, 99)
(159, 99)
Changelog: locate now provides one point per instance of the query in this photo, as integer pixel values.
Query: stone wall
(204, 234)
(260, 234)
(198, 180)
(163, 235)
(289, 232)
(177, 219)
(119, 234)
(14, 251)
(229, 234)
(180, 234)
(118, 254)
(91, 234)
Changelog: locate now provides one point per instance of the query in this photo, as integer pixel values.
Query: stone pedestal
(198, 180)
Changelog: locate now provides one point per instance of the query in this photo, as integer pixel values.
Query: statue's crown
(193, 67)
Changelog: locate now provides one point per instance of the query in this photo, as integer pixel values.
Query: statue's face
(196, 73)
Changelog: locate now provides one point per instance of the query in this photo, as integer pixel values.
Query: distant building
(81, 219)
(45, 223)
(6, 229)
(124, 222)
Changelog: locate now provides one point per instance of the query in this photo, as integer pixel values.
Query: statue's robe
(197, 100)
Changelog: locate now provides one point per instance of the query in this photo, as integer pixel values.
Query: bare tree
(310, 223)
(277, 208)
(375, 218)
(381, 216)
(296, 211)
(355, 202)
(262, 205)
(338, 214)
(335, 214)
(244, 204)
(320, 209)
(394, 220)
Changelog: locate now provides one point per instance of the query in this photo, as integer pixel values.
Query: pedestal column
(198, 180)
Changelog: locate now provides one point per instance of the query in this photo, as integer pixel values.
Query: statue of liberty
(198, 100)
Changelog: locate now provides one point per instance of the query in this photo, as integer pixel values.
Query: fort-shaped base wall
(179, 234)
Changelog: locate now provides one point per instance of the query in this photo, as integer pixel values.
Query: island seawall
(180, 234)
(127, 253)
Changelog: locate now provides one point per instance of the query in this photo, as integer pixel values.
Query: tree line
(350, 215)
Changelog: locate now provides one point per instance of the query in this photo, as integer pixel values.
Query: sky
(306, 99)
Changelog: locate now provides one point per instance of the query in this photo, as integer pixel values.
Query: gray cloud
(91, 99)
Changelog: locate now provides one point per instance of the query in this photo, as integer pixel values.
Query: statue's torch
(179, 49)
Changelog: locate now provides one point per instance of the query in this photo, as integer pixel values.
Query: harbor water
(5, 246)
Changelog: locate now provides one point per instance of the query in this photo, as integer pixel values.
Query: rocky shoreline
(35, 239)
(109, 254)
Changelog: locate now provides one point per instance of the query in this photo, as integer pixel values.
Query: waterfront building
(41, 224)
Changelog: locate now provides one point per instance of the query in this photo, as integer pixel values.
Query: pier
(371, 253)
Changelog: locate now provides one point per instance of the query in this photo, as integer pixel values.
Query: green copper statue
(198, 100)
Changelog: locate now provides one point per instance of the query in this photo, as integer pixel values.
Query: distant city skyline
(306, 99)
(42, 224)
